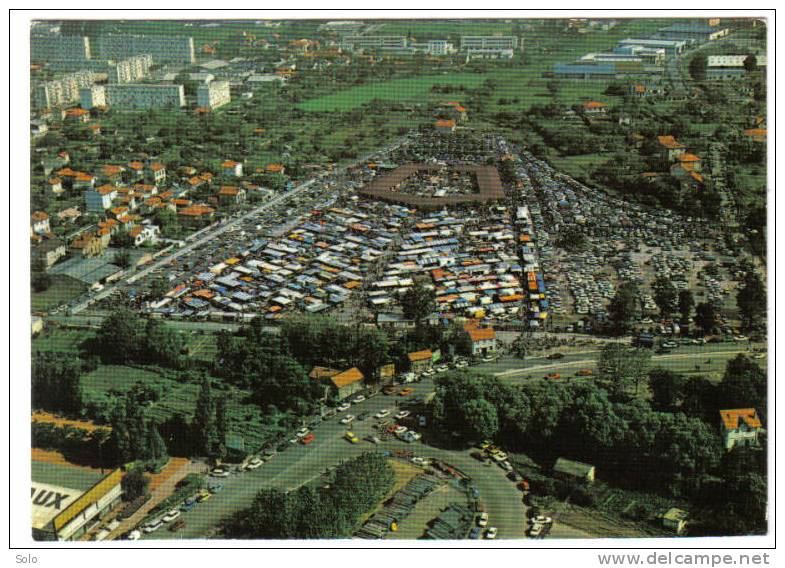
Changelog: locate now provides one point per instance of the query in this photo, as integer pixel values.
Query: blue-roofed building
(693, 32)
(584, 71)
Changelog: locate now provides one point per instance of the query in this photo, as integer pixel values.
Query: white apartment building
(381, 43)
(131, 70)
(489, 42)
(732, 60)
(132, 96)
(162, 48)
(213, 95)
(62, 91)
(92, 96)
(50, 46)
(488, 53)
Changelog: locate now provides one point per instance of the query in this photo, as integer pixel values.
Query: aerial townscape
(398, 279)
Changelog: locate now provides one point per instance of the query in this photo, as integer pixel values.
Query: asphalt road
(300, 464)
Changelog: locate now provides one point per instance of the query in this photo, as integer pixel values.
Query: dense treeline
(125, 338)
(56, 383)
(331, 512)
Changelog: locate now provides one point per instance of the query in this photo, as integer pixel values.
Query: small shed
(570, 469)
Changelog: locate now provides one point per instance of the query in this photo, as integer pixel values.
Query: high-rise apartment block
(162, 48)
(213, 95)
(131, 96)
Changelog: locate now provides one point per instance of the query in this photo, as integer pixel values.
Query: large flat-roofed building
(489, 53)
(719, 67)
(48, 46)
(375, 42)
(137, 96)
(584, 71)
(67, 500)
(213, 95)
(671, 47)
(489, 42)
(693, 32)
(162, 48)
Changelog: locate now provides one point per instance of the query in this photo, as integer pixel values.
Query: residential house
(231, 168)
(347, 383)
(83, 181)
(39, 223)
(77, 115)
(69, 215)
(99, 199)
(420, 360)
(689, 162)
(46, 254)
(157, 173)
(594, 107)
(196, 215)
(444, 126)
(740, 427)
(670, 148)
(136, 168)
(394, 323)
(689, 180)
(275, 169)
(756, 134)
(675, 520)
(111, 173)
(144, 233)
(572, 470)
(89, 244)
(229, 194)
(483, 339)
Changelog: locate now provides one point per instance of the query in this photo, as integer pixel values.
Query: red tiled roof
(732, 418)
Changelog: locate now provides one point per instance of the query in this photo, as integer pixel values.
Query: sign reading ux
(48, 501)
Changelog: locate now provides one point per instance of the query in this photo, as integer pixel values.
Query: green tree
(134, 484)
(706, 316)
(418, 302)
(41, 281)
(119, 338)
(623, 310)
(686, 304)
(122, 259)
(751, 300)
(698, 66)
(667, 389)
(481, 418)
(204, 419)
(750, 63)
(624, 367)
(665, 296)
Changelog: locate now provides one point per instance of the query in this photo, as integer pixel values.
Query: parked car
(363, 415)
(406, 391)
(133, 535)
(491, 533)
(203, 496)
(390, 389)
(219, 472)
(302, 432)
(308, 439)
(482, 520)
(177, 525)
(556, 356)
(254, 463)
(553, 376)
(152, 527)
(475, 533)
(352, 437)
(347, 419)
(344, 407)
(383, 413)
(373, 439)
(584, 373)
(358, 399)
(402, 414)
(188, 504)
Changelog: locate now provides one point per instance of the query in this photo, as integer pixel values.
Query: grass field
(398, 90)
(63, 289)
(61, 340)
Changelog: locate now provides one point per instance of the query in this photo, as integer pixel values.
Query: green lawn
(63, 289)
(408, 89)
(60, 340)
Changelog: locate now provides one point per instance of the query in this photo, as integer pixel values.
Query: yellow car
(203, 495)
(352, 438)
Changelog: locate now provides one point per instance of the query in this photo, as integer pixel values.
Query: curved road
(300, 464)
